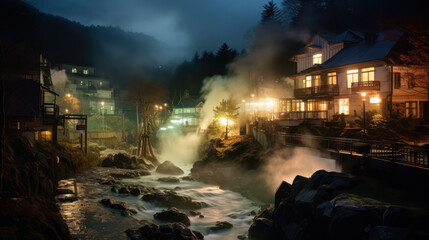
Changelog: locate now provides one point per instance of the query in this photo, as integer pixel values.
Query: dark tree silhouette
(270, 14)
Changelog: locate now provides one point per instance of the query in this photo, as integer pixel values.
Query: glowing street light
(67, 111)
(253, 95)
(225, 121)
(363, 110)
(165, 104)
(68, 95)
(243, 101)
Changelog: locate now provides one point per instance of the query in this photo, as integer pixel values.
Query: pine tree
(270, 14)
(290, 10)
(226, 112)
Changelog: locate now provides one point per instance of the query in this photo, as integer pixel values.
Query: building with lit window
(94, 93)
(186, 114)
(335, 74)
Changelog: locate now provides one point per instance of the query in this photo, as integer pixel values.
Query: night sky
(194, 25)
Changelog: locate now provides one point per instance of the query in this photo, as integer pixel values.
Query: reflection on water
(88, 219)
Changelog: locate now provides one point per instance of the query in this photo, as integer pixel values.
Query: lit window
(111, 108)
(307, 81)
(310, 104)
(46, 135)
(374, 100)
(343, 106)
(74, 70)
(302, 107)
(368, 74)
(317, 58)
(352, 77)
(81, 83)
(85, 71)
(332, 78)
(323, 106)
(316, 80)
(101, 84)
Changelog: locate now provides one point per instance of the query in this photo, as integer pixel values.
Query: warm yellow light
(67, 111)
(68, 95)
(269, 103)
(243, 100)
(225, 121)
(165, 104)
(160, 107)
(102, 103)
(156, 106)
(363, 94)
(253, 95)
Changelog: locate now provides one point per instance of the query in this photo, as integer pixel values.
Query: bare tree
(148, 96)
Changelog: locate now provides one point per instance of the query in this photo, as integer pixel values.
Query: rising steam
(285, 164)
(179, 149)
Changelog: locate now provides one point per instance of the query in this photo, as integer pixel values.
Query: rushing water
(88, 219)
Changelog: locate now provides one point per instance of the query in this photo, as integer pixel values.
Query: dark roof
(358, 52)
(188, 103)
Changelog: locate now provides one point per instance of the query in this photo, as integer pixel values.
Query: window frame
(368, 73)
(317, 58)
(332, 77)
(353, 73)
(340, 106)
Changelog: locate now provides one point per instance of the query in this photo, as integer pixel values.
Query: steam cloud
(59, 80)
(179, 149)
(284, 165)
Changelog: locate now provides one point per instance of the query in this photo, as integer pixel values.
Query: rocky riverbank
(30, 175)
(326, 206)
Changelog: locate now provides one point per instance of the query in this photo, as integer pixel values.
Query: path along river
(88, 219)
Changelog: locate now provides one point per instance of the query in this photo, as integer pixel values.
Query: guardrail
(386, 150)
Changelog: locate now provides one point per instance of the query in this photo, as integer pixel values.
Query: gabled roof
(188, 103)
(358, 52)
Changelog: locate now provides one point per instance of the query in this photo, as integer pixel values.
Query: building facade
(94, 93)
(337, 74)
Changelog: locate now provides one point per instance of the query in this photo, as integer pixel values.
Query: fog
(178, 148)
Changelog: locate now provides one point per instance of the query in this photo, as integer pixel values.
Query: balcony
(317, 91)
(365, 86)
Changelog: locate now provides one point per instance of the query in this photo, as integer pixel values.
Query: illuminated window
(46, 135)
(368, 74)
(101, 84)
(302, 107)
(316, 80)
(323, 106)
(317, 58)
(74, 70)
(411, 109)
(81, 83)
(332, 78)
(307, 81)
(374, 100)
(85, 71)
(352, 77)
(111, 108)
(297, 105)
(178, 110)
(310, 104)
(343, 106)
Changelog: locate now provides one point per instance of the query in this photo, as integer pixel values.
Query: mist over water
(285, 164)
(181, 149)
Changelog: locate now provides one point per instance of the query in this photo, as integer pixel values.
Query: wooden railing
(322, 90)
(366, 86)
(316, 115)
(386, 150)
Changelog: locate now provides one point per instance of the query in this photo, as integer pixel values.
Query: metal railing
(322, 90)
(316, 115)
(385, 150)
(366, 86)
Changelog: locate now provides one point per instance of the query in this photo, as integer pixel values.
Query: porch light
(225, 121)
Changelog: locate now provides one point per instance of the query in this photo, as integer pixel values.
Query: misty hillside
(120, 54)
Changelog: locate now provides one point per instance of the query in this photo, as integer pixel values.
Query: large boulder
(260, 229)
(173, 215)
(151, 230)
(108, 161)
(115, 205)
(298, 184)
(220, 226)
(169, 179)
(124, 161)
(347, 223)
(168, 167)
(283, 191)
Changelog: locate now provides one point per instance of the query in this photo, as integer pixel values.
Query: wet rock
(282, 192)
(128, 213)
(219, 226)
(201, 216)
(66, 198)
(135, 191)
(173, 215)
(131, 174)
(168, 167)
(393, 216)
(64, 191)
(315, 179)
(292, 231)
(389, 233)
(188, 178)
(169, 179)
(194, 213)
(169, 231)
(347, 223)
(241, 237)
(114, 189)
(108, 161)
(266, 213)
(298, 184)
(123, 190)
(177, 188)
(252, 213)
(172, 199)
(115, 205)
(260, 229)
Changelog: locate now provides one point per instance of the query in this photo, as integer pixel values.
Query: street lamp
(363, 109)
(68, 95)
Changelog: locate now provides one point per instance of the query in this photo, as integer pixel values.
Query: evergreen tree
(226, 112)
(290, 10)
(270, 14)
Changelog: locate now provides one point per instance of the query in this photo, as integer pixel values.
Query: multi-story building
(335, 74)
(186, 114)
(93, 91)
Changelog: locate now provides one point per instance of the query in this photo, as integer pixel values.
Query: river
(88, 219)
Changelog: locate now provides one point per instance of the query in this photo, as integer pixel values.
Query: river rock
(172, 199)
(108, 161)
(131, 174)
(168, 167)
(173, 215)
(115, 205)
(283, 191)
(194, 213)
(64, 191)
(219, 226)
(298, 184)
(347, 223)
(169, 179)
(188, 178)
(389, 233)
(66, 198)
(171, 231)
(260, 229)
